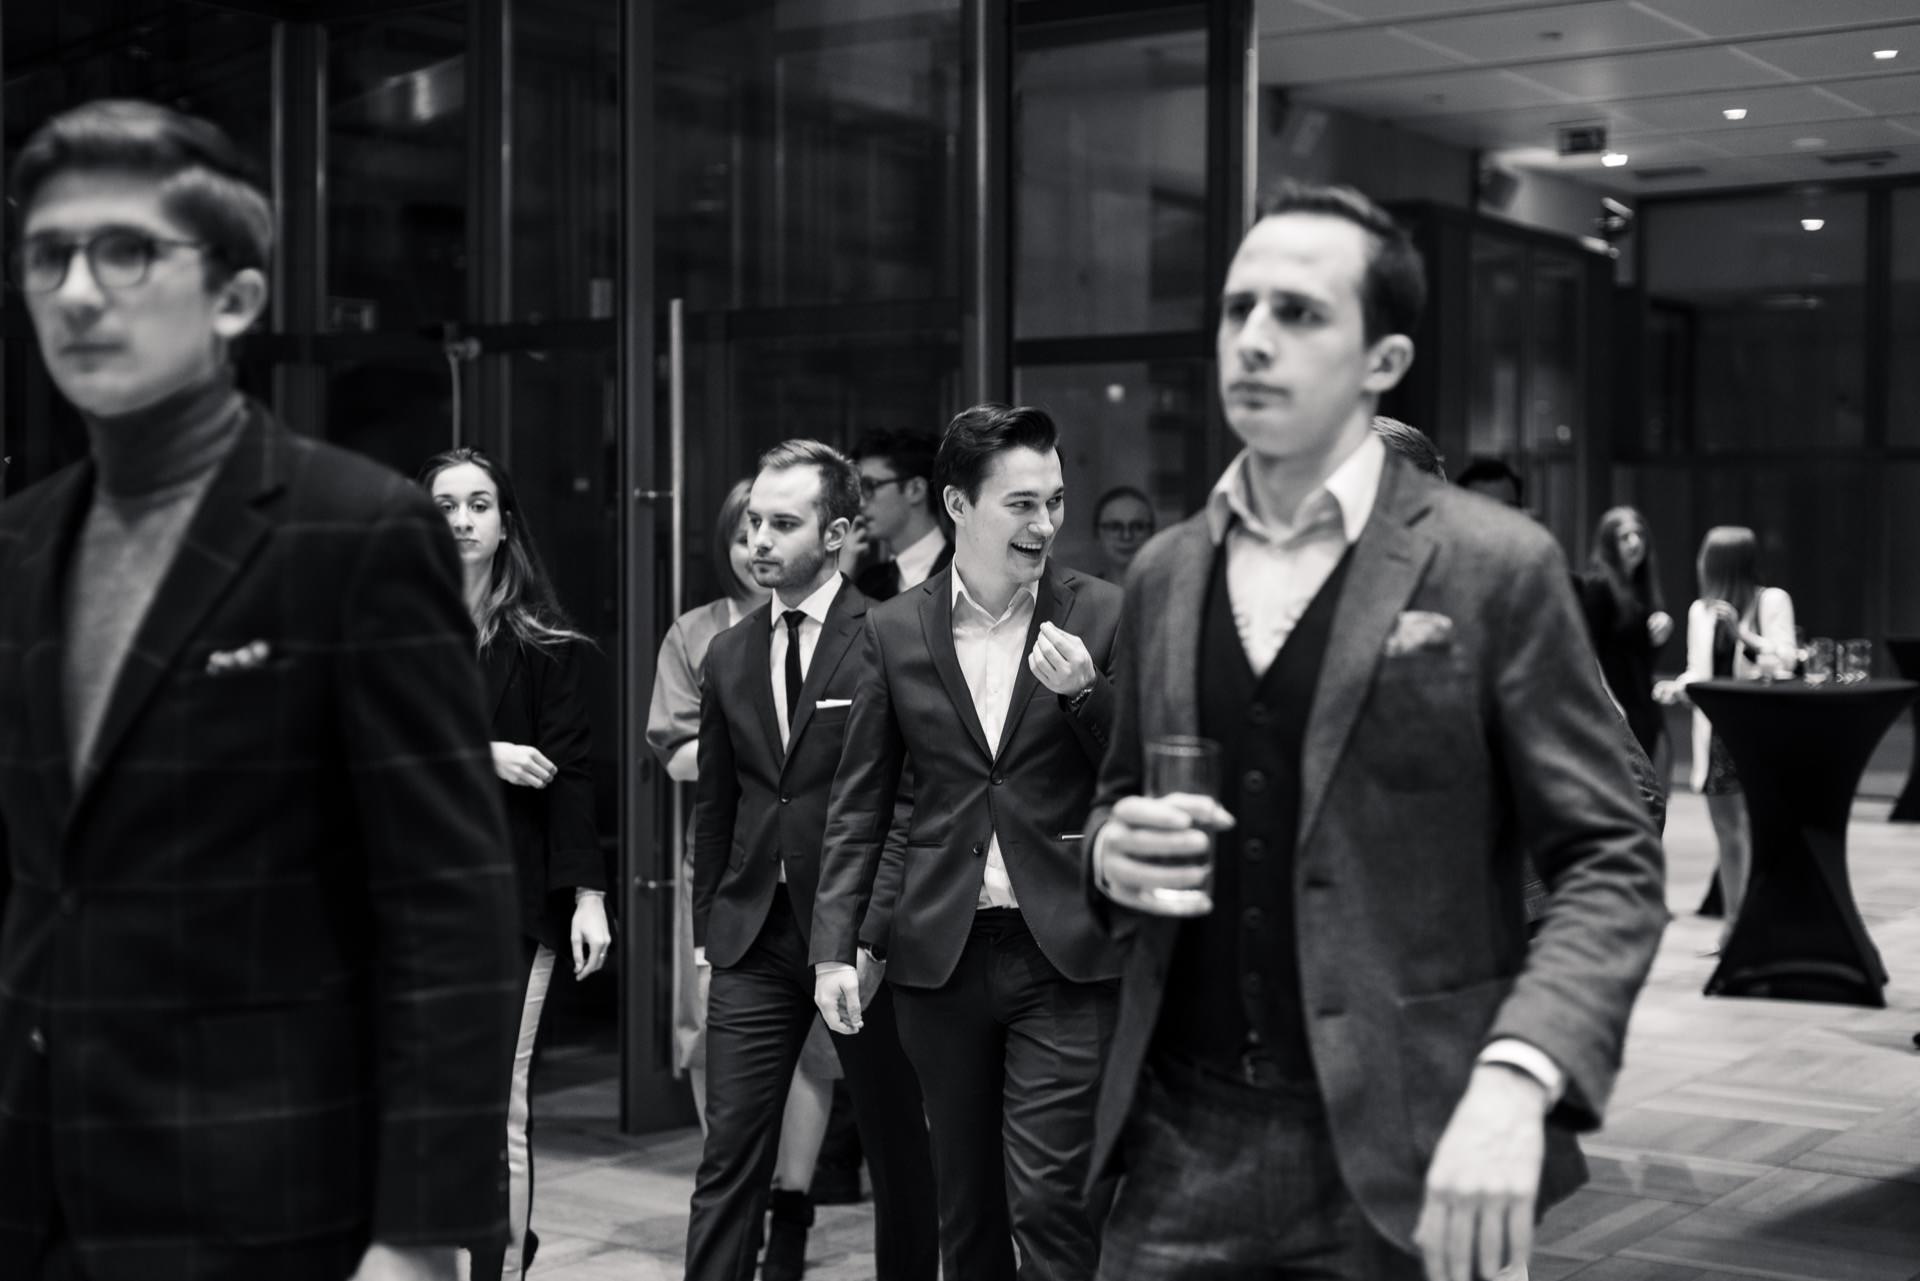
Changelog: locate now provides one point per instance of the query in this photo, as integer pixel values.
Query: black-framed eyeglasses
(1125, 528)
(869, 485)
(118, 257)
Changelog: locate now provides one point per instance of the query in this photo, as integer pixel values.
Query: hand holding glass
(1185, 774)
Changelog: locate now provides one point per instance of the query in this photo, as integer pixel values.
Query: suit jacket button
(978, 849)
(69, 903)
(997, 780)
(37, 1041)
(786, 800)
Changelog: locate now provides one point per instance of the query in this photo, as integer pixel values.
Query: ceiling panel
(1842, 53)
(1417, 96)
(1732, 19)
(1647, 74)
(1339, 55)
(1531, 125)
(1833, 135)
(1397, 10)
(1277, 16)
(1602, 27)
(1769, 105)
(1885, 95)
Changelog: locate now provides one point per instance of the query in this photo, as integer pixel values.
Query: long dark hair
(521, 599)
(1634, 593)
(1729, 566)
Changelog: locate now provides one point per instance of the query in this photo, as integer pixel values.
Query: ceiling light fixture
(1735, 113)
(1812, 224)
(1614, 159)
(1886, 54)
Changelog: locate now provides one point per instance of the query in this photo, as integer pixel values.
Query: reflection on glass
(1497, 346)
(1112, 184)
(1142, 424)
(1903, 372)
(397, 169)
(1775, 314)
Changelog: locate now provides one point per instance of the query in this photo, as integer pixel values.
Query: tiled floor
(1747, 1138)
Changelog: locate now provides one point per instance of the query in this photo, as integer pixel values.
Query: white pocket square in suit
(1418, 629)
(828, 704)
(246, 657)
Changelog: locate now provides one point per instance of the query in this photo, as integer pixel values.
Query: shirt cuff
(1536, 1063)
(700, 957)
(825, 968)
(1099, 859)
(580, 893)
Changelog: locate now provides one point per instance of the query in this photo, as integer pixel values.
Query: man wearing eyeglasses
(1123, 520)
(256, 905)
(896, 497)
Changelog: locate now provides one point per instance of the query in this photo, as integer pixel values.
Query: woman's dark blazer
(534, 698)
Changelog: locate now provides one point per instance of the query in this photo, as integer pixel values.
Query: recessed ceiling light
(1614, 159)
(1885, 54)
(1735, 113)
(1812, 224)
(1809, 143)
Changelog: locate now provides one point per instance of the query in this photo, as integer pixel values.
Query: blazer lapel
(936, 621)
(1388, 562)
(222, 537)
(760, 676)
(1172, 649)
(42, 572)
(844, 619)
(1052, 604)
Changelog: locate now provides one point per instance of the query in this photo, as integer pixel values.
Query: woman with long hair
(1741, 630)
(1620, 594)
(541, 740)
(673, 731)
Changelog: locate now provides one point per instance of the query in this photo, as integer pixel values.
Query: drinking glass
(1184, 767)
(1820, 653)
(1856, 661)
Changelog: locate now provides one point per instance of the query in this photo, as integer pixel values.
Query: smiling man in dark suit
(777, 692)
(257, 971)
(1355, 1058)
(991, 678)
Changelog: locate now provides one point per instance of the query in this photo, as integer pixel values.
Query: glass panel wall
(1903, 371)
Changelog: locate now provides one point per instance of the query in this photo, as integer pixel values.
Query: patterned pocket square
(249, 656)
(1418, 629)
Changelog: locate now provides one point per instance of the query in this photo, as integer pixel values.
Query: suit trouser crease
(1009, 1053)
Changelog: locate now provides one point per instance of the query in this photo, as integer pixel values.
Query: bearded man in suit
(1354, 1063)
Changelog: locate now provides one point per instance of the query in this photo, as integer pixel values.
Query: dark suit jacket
(881, 581)
(1033, 787)
(1425, 775)
(758, 808)
(257, 974)
(534, 696)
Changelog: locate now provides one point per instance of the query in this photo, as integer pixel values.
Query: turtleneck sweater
(151, 469)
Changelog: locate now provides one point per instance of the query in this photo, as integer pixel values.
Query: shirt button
(1254, 848)
(37, 1041)
(1253, 782)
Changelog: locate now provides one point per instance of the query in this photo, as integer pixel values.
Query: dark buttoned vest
(1236, 971)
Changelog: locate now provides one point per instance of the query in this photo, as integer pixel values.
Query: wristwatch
(1074, 703)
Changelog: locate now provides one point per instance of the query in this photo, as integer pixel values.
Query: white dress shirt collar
(814, 606)
(960, 593)
(915, 562)
(1348, 493)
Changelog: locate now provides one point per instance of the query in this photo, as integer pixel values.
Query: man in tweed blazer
(256, 904)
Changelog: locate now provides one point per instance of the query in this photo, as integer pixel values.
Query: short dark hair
(1411, 444)
(1114, 495)
(1484, 469)
(839, 478)
(909, 452)
(975, 435)
(1394, 290)
(206, 183)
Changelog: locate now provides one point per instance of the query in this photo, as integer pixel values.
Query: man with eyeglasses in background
(1123, 521)
(256, 900)
(896, 497)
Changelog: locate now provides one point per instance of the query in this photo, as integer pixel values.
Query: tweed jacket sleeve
(1120, 768)
(439, 875)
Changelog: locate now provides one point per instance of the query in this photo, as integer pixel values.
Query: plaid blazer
(257, 969)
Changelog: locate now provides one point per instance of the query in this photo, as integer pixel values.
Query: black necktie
(793, 618)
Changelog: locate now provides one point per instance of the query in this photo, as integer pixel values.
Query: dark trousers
(1228, 1182)
(758, 1014)
(1009, 1053)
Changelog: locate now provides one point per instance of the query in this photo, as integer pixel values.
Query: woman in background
(1736, 629)
(673, 731)
(541, 740)
(1620, 594)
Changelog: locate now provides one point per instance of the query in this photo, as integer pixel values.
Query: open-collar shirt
(990, 651)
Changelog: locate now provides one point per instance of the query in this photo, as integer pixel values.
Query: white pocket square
(250, 655)
(1418, 629)
(828, 704)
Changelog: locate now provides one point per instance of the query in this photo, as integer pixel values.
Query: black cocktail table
(1799, 751)
(1906, 657)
